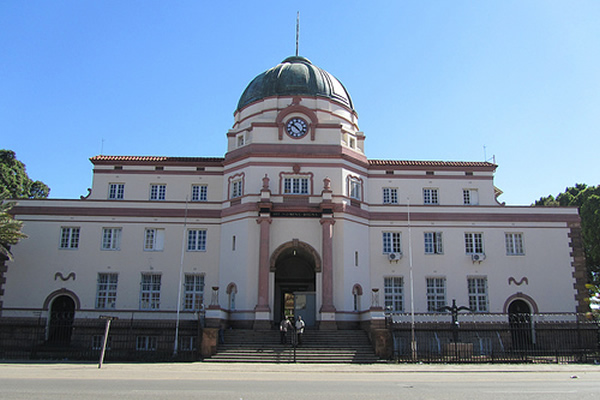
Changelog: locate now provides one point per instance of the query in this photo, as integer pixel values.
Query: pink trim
(263, 264)
(525, 298)
(327, 250)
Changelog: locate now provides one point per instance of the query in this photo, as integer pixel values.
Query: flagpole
(413, 344)
(176, 343)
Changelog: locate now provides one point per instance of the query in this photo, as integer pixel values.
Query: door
(305, 306)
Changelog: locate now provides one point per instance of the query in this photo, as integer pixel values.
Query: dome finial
(297, 30)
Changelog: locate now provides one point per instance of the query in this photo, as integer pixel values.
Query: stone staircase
(329, 347)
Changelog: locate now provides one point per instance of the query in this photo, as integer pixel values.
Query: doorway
(519, 318)
(60, 326)
(295, 286)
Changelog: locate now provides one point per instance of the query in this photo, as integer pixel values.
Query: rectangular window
(236, 188)
(98, 342)
(199, 192)
(158, 192)
(391, 242)
(470, 197)
(196, 240)
(433, 243)
(150, 292)
(116, 191)
(478, 294)
(390, 195)
(146, 343)
(393, 293)
(69, 237)
(355, 189)
(154, 239)
(106, 290)
(187, 343)
(295, 185)
(514, 244)
(111, 238)
(430, 196)
(436, 294)
(193, 294)
(474, 243)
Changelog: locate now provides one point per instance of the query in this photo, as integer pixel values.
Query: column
(263, 264)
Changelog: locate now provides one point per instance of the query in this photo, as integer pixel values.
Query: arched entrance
(519, 318)
(60, 326)
(295, 265)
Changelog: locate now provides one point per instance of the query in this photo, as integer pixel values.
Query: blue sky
(430, 80)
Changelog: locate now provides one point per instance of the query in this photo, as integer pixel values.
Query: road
(290, 382)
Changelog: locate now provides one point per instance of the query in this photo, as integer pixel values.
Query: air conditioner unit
(394, 256)
(478, 257)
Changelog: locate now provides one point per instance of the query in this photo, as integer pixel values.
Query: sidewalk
(191, 370)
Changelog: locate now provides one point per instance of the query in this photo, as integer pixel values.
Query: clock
(296, 127)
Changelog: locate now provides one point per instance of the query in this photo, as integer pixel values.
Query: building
(294, 218)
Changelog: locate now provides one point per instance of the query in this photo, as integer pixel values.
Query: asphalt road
(271, 381)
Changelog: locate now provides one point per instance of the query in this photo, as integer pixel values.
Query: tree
(10, 229)
(587, 199)
(14, 181)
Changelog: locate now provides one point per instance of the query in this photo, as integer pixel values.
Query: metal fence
(82, 339)
(494, 338)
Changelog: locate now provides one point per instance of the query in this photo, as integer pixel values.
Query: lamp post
(455, 310)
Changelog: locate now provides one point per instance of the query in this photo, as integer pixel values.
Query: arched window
(356, 295)
(231, 293)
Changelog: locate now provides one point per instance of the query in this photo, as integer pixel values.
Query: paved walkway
(182, 370)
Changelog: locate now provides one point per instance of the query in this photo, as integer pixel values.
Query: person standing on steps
(300, 328)
(283, 328)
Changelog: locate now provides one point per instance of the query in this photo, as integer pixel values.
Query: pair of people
(286, 324)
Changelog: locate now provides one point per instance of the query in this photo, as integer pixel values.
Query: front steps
(329, 347)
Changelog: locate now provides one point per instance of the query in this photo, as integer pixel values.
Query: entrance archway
(519, 318)
(60, 326)
(295, 265)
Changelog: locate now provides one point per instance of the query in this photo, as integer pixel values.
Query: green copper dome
(295, 76)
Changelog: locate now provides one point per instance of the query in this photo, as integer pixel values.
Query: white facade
(261, 218)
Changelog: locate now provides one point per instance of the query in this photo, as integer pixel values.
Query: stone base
(261, 325)
(209, 342)
(460, 351)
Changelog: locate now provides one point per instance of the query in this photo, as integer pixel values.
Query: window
(158, 191)
(390, 195)
(470, 197)
(474, 243)
(240, 140)
(154, 239)
(393, 293)
(106, 290)
(199, 192)
(391, 242)
(98, 342)
(433, 243)
(430, 196)
(150, 292)
(196, 240)
(436, 294)
(146, 343)
(193, 292)
(295, 185)
(69, 237)
(514, 244)
(237, 188)
(187, 343)
(111, 238)
(116, 191)
(354, 189)
(478, 296)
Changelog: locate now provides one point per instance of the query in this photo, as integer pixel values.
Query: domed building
(293, 220)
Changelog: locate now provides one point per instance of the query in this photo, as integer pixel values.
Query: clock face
(296, 127)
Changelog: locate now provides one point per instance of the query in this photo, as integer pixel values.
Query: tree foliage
(587, 199)
(10, 229)
(14, 181)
